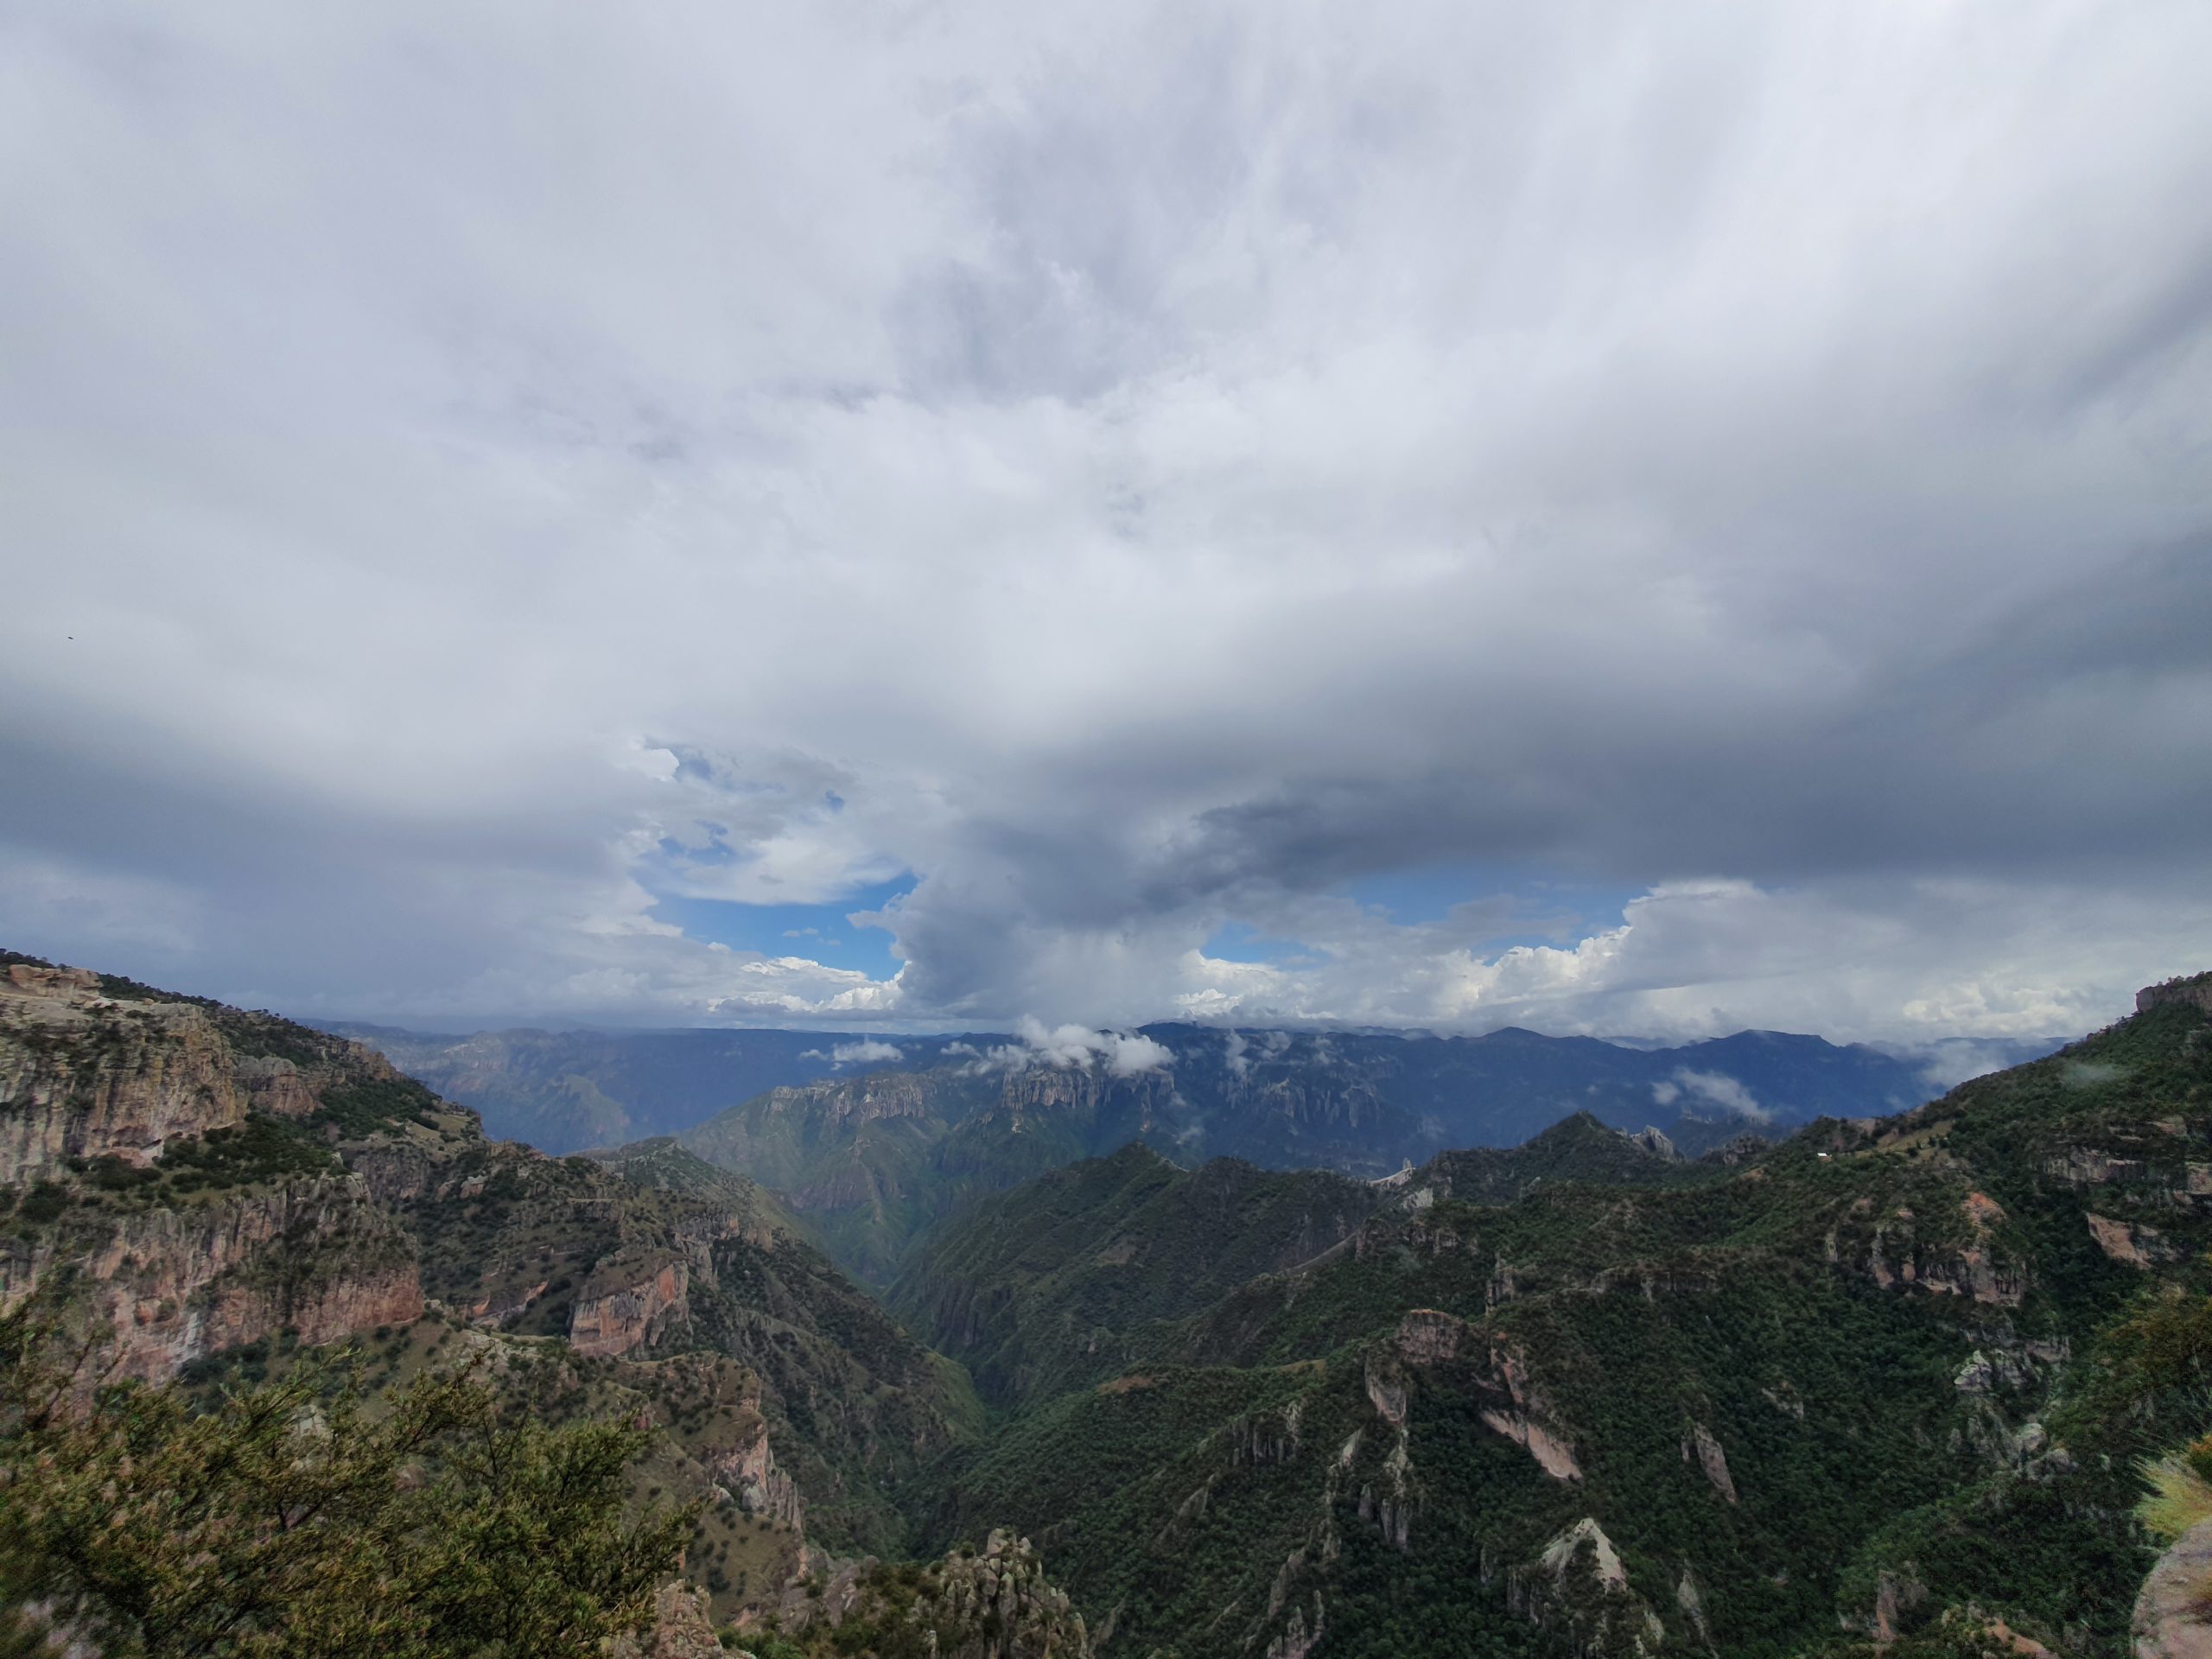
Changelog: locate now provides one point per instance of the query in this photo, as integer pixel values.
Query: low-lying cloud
(868, 1053)
(1120, 1054)
(1715, 1088)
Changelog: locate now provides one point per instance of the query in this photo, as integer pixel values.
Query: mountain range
(1359, 1100)
(872, 1148)
(1882, 1384)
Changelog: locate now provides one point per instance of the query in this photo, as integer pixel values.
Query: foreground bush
(304, 1518)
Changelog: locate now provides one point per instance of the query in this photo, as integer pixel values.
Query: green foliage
(300, 1518)
(363, 1106)
(2179, 1497)
(1076, 1276)
(44, 1203)
(262, 1148)
(1926, 1371)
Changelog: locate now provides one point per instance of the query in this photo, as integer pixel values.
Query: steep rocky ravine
(209, 1191)
(1883, 1385)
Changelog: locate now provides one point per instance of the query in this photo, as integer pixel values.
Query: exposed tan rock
(1982, 1211)
(1700, 1447)
(2194, 992)
(1895, 1595)
(1553, 1455)
(681, 1629)
(84, 1076)
(1298, 1637)
(2089, 1167)
(506, 1307)
(747, 1472)
(2173, 1610)
(274, 1085)
(1523, 1420)
(311, 1254)
(1386, 1395)
(1003, 1590)
(992, 1604)
(2005, 1639)
(2130, 1242)
(616, 1316)
(1894, 1256)
(67, 984)
(1579, 1588)
(1427, 1336)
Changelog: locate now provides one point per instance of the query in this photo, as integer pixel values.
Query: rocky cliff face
(995, 1603)
(1578, 1590)
(998, 1605)
(747, 1473)
(82, 1076)
(682, 1629)
(310, 1254)
(2194, 991)
(89, 1072)
(2171, 1611)
(625, 1307)
(101, 1095)
(1494, 1374)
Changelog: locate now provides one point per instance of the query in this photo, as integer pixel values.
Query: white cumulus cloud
(1719, 1089)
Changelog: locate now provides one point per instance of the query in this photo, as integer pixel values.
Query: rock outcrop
(995, 1603)
(311, 1255)
(1578, 1590)
(83, 1076)
(1700, 1447)
(101, 1094)
(1428, 1337)
(749, 1473)
(1895, 1255)
(2173, 1611)
(999, 1604)
(2194, 991)
(623, 1309)
(681, 1629)
(2131, 1241)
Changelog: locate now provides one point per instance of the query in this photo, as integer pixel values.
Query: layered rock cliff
(172, 1174)
(309, 1255)
(2193, 991)
(84, 1076)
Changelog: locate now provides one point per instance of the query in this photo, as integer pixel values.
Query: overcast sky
(1608, 517)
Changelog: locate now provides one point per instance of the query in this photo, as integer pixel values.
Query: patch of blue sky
(1236, 942)
(1549, 906)
(1526, 907)
(819, 932)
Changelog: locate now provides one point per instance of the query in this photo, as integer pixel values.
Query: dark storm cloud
(1138, 471)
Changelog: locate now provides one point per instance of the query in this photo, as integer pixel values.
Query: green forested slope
(1073, 1276)
(1887, 1369)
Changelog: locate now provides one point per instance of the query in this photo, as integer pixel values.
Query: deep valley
(1885, 1381)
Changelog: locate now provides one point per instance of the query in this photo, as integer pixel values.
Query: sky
(1603, 518)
